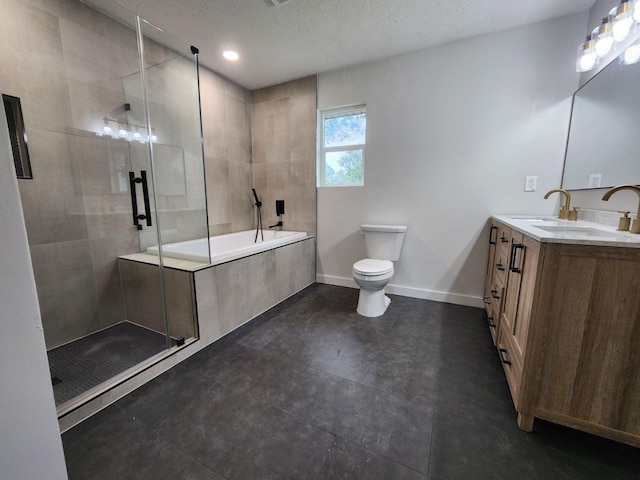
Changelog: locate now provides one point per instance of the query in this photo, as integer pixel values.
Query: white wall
(452, 131)
(30, 444)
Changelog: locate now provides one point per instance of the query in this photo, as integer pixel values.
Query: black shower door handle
(134, 201)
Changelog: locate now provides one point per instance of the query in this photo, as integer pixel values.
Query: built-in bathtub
(230, 246)
(218, 297)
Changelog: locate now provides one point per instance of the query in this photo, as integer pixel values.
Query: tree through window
(342, 142)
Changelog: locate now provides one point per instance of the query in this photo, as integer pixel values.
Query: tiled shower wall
(266, 139)
(284, 152)
(71, 66)
(226, 125)
(73, 247)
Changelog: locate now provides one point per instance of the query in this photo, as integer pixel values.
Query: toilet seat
(371, 267)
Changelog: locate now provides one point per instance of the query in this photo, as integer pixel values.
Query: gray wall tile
(284, 136)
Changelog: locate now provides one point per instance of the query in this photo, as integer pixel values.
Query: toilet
(383, 244)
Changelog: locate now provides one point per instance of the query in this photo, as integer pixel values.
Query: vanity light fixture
(117, 129)
(230, 55)
(587, 58)
(622, 21)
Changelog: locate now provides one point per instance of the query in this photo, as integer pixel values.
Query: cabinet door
(590, 378)
(514, 322)
(523, 263)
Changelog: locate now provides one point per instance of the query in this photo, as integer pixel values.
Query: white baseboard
(412, 292)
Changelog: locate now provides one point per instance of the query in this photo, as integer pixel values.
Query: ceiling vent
(279, 3)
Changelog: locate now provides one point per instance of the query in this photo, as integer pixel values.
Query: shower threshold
(80, 366)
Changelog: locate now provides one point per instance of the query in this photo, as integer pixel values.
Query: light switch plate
(594, 180)
(530, 183)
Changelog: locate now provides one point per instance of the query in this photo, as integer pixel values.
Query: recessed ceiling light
(230, 55)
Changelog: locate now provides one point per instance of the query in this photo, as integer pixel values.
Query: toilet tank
(383, 242)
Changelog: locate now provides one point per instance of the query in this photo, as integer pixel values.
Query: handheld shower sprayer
(255, 196)
(259, 216)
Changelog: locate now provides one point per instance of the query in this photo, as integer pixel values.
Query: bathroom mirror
(602, 148)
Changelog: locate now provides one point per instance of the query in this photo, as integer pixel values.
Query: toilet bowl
(383, 244)
(372, 276)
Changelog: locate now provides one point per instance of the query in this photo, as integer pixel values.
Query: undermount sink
(524, 218)
(576, 232)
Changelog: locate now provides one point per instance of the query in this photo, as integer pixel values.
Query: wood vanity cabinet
(495, 280)
(568, 334)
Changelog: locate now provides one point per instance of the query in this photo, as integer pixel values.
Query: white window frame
(322, 150)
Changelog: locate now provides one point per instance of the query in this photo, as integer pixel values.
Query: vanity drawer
(492, 321)
(500, 263)
(511, 364)
(496, 298)
(487, 298)
(502, 239)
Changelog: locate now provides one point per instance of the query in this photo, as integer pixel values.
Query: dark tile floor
(311, 390)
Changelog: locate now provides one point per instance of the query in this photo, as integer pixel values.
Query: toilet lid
(371, 266)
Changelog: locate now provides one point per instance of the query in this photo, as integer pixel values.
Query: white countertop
(548, 229)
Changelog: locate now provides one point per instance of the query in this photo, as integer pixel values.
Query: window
(341, 152)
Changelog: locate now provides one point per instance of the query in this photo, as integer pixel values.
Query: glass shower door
(78, 205)
(173, 102)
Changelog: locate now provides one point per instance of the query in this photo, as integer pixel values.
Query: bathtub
(227, 247)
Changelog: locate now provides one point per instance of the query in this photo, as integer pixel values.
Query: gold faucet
(564, 210)
(635, 226)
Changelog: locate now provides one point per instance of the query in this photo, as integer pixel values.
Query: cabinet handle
(512, 258)
(491, 240)
(494, 294)
(486, 300)
(501, 352)
(504, 239)
(499, 266)
(491, 324)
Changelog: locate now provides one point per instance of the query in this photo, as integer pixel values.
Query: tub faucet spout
(279, 224)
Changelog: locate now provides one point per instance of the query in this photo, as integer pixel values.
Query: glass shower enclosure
(112, 115)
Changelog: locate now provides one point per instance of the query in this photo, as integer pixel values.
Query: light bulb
(587, 58)
(136, 135)
(621, 20)
(603, 46)
(621, 28)
(603, 37)
(588, 61)
(154, 138)
(106, 129)
(230, 55)
(632, 54)
(122, 132)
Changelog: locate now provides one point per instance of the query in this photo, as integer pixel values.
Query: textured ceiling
(303, 37)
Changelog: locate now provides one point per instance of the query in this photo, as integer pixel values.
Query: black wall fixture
(17, 136)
